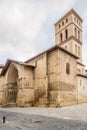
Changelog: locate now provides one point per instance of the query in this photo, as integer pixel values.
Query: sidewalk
(65, 118)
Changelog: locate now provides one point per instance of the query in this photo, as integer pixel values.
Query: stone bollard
(4, 118)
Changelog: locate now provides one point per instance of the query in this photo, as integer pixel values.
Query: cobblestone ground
(66, 118)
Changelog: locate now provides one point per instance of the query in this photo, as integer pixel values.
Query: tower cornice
(72, 11)
(71, 38)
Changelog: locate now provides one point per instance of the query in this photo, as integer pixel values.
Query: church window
(78, 70)
(61, 37)
(66, 20)
(62, 23)
(75, 49)
(78, 51)
(67, 68)
(66, 33)
(59, 25)
(75, 32)
(79, 35)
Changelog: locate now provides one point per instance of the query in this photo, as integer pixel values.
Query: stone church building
(54, 78)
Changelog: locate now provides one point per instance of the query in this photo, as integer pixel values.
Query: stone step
(9, 105)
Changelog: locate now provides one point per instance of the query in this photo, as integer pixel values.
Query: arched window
(61, 37)
(75, 32)
(76, 49)
(78, 70)
(66, 20)
(79, 35)
(59, 25)
(66, 33)
(67, 68)
(62, 23)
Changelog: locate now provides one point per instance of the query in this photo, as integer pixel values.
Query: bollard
(4, 119)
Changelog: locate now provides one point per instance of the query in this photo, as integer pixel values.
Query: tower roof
(72, 11)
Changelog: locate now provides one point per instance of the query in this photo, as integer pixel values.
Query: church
(53, 78)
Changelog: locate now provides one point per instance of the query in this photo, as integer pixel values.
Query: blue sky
(27, 26)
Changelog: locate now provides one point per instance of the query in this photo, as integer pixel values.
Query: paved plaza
(65, 118)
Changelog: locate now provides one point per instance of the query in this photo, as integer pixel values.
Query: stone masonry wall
(25, 96)
(67, 85)
(53, 78)
(82, 89)
(40, 80)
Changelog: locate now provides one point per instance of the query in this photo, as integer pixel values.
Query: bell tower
(68, 33)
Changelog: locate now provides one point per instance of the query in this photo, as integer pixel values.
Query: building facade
(54, 78)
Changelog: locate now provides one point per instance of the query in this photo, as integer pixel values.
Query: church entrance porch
(18, 88)
(12, 84)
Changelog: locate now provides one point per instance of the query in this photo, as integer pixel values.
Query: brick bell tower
(68, 33)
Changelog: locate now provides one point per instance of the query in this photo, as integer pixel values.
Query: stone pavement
(66, 118)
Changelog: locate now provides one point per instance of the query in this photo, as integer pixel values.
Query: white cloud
(21, 22)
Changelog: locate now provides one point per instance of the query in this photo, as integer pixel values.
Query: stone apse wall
(67, 83)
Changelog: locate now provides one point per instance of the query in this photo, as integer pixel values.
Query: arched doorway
(12, 84)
